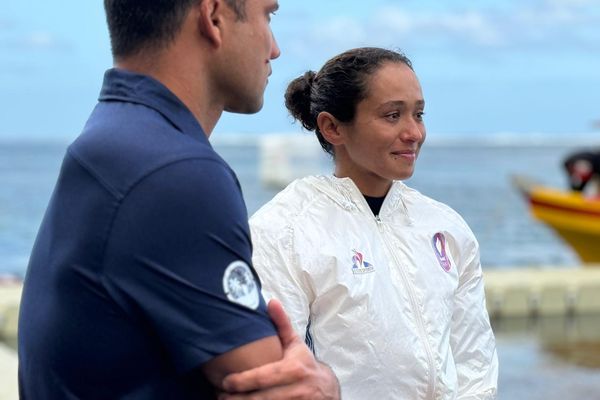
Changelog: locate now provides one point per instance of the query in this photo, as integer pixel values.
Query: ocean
(472, 176)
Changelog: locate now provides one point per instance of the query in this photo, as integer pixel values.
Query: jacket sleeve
(472, 340)
(281, 276)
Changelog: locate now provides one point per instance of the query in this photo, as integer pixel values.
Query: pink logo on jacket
(439, 247)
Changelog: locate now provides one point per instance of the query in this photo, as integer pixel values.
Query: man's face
(252, 46)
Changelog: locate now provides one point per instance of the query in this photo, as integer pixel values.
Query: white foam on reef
(435, 139)
(511, 139)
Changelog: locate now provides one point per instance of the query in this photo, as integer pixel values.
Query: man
(583, 172)
(140, 283)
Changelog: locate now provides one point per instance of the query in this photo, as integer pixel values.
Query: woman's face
(383, 141)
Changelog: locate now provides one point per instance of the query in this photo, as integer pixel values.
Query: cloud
(38, 41)
(29, 54)
(340, 30)
(475, 26)
(524, 26)
(44, 40)
(570, 3)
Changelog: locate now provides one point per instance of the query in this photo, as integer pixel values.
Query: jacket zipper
(416, 312)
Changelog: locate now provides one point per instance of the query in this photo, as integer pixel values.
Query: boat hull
(575, 218)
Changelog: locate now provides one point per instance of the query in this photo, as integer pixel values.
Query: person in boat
(384, 283)
(583, 172)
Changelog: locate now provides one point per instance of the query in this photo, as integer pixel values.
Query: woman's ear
(331, 129)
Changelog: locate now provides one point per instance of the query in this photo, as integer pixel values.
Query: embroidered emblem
(359, 265)
(439, 247)
(239, 285)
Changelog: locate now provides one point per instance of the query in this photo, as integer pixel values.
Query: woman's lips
(409, 155)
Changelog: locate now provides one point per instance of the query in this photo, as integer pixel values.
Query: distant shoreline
(500, 139)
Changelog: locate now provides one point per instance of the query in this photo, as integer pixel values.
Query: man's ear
(331, 129)
(210, 20)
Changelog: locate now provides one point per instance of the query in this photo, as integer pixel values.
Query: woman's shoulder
(423, 205)
(286, 206)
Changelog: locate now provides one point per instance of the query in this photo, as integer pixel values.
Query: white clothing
(383, 311)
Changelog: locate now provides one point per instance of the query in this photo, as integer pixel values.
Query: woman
(385, 282)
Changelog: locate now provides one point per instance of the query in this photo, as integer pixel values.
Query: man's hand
(296, 376)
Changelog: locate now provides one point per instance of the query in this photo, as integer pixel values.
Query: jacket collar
(344, 192)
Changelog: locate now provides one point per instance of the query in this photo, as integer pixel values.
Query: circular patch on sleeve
(239, 285)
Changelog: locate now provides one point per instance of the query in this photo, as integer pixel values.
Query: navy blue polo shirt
(141, 270)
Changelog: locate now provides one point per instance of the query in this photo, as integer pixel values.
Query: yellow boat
(573, 216)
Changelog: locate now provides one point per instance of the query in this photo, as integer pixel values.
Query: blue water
(472, 178)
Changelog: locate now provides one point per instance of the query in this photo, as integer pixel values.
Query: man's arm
(243, 358)
(189, 276)
(297, 376)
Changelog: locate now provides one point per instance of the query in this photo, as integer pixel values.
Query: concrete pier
(8, 374)
(519, 292)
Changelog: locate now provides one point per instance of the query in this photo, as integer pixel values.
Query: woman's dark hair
(337, 88)
(136, 25)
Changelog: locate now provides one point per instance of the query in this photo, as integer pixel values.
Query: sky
(485, 66)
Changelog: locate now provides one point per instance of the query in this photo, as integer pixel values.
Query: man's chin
(246, 108)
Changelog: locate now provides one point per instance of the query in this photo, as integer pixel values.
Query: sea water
(474, 179)
(550, 359)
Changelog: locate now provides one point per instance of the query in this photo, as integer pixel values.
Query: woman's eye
(420, 115)
(393, 116)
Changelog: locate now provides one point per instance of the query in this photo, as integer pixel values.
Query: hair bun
(298, 100)
(309, 76)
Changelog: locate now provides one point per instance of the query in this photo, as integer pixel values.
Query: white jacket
(395, 303)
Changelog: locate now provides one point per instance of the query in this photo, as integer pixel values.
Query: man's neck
(188, 85)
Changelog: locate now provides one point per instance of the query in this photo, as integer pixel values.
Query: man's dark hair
(136, 25)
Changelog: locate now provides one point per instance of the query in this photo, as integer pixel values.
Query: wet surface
(554, 358)
(585, 354)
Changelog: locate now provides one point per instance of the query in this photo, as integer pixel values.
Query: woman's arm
(472, 340)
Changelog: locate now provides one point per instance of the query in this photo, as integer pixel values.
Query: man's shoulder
(121, 153)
